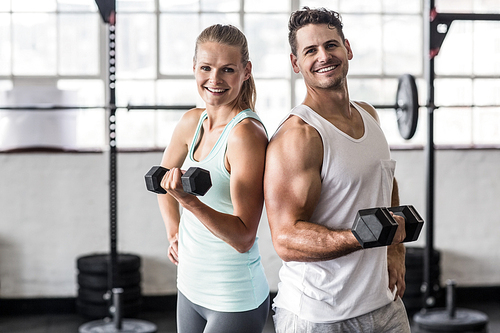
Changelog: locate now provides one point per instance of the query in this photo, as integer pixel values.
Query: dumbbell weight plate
(374, 227)
(413, 221)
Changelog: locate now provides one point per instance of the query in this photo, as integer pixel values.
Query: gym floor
(165, 321)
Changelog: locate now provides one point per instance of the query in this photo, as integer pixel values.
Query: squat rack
(434, 35)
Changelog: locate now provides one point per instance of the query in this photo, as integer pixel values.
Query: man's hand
(396, 269)
(401, 231)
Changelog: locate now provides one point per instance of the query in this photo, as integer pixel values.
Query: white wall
(54, 208)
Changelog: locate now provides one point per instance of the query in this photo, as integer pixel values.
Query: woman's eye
(205, 68)
(228, 70)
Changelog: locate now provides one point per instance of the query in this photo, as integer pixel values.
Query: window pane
(88, 92)
(34, 5)
(389, 125)
(5, 45)
(176, 92)
(77, 5)
(267, 6)
(486, 49)
(364, 33)
(218, 18)
(135, 128)
(4, 5)
(177, 41)
(91, 123)
(398, 6)
(329, 4)
(78, 56)
(458, 42)
(454, 6)
(402, 44)
(220, 5)
(373, 91)
(360, 6)
(453, 91)
(34, 44)
(486, 125)
(173, 92)
(135, 6)
(453, 126)
(486, 91)
(180, 5)
(135, 92)
(269, 52)
(486, 6)
(273, 102)
(136, 46)
(165, 123)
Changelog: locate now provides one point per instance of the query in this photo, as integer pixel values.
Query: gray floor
(165, 322)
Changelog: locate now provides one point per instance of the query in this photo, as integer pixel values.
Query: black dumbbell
(376, 227)
(195, 181)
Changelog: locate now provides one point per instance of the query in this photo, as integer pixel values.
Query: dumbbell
(376, 227)
(195, 181)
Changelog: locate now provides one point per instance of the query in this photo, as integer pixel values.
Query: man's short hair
(305, 16)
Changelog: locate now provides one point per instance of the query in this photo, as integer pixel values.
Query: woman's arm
(245, 158)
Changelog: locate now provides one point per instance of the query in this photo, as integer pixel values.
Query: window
(62, 44)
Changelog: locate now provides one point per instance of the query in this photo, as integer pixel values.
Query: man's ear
(349, 50)
(295, 66)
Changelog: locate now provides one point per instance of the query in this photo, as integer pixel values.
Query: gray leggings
(192, 318)
(391, 318)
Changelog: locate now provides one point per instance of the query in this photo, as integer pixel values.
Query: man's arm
(292, 187)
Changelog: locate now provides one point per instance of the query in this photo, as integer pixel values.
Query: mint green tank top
(211, 273)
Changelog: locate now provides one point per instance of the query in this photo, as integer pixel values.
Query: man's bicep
(292, 180)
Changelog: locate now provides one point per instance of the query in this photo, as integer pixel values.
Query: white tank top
(356, 174)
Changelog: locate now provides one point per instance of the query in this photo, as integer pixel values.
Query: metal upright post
(429, 53)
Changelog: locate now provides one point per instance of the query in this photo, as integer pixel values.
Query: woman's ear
(248, 70)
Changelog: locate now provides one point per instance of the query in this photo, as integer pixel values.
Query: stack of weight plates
(413, 297)
(93, 284)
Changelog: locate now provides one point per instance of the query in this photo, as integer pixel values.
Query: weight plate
(438, 320)
(407, 106)
(98, 263)
(99, 282)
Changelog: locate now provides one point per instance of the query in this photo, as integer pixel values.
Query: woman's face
(219, 73)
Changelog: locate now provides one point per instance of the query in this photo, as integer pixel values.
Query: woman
(220, 279)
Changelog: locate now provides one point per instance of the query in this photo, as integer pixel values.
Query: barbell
(407, 106)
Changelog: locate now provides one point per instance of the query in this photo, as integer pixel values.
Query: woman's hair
(232, 36)
(305, 16)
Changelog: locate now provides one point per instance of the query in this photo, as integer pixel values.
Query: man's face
(322, 57)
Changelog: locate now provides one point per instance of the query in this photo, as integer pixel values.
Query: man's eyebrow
(335, 41)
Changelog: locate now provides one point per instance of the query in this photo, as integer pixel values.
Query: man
(327, 160)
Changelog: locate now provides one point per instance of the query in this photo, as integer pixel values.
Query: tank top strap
(222, 140)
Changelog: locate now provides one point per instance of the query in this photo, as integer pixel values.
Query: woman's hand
(173, 250)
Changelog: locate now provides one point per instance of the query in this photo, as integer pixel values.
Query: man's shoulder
(295, 127)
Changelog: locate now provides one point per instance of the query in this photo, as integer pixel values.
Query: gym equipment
(414, 259)
(114, 302)
(451, 319)
(376, 227)
(195, 181)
